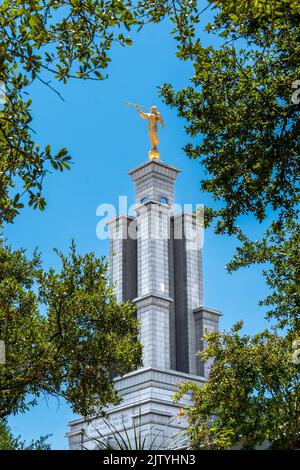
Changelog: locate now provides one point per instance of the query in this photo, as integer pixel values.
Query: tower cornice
(154, 165)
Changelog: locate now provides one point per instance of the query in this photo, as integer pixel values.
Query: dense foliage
(54, 41)
(252, 397)
(9, 442)
(242, 114)
(65, 333)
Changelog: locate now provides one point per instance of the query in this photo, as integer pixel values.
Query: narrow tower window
(163, 200)
(144, 199)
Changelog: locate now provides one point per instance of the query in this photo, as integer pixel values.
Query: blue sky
(107, 139)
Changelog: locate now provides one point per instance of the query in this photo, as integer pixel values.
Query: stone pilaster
(188, 288)
(206, 321)
(123, 257)
(154, 314)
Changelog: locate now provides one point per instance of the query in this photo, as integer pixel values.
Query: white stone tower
(156, 262)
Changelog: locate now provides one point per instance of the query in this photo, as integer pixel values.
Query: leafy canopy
(242, 118)
(239, 112)
(9, 442)
(46, 40)
(74, 348)
(252, 396)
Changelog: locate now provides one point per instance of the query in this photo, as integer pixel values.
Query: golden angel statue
(153, 117)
